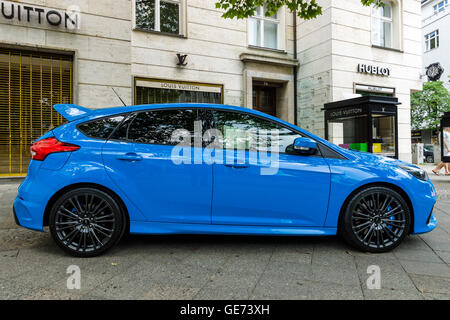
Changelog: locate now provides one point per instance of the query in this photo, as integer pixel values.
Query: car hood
(371, 159)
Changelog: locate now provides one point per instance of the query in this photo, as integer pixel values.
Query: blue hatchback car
(212, 169)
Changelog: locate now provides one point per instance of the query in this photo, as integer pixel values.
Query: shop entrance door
(265, 99)
(30, 84)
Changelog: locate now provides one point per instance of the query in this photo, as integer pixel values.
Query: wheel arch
(378, 184)
(56, 196)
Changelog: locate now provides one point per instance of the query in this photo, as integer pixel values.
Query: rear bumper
(23, 214)
(15, 217)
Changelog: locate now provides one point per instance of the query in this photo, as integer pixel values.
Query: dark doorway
(265, 98)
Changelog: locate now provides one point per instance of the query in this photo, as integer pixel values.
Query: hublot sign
(380, 71)
(69, 19)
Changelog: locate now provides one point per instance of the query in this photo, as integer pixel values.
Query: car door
(262, 181)
(149, 160)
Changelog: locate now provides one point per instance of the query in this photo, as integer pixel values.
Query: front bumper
(424, 199)
(428, 226)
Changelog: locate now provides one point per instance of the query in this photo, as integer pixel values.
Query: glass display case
(366, 124)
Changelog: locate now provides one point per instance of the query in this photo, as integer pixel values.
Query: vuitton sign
(24, 13)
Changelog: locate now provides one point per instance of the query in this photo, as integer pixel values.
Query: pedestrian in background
(446, 153)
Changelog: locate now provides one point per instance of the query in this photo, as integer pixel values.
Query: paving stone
(11, 290)
(444, 255)
(330, 291)
(411, 254)
(432, 284)
(336, 275)
(427, 268)
(280, 287)
(387, 294)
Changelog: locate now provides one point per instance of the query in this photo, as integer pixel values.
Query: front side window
(101, 128)
(263, 30)
(382, 25)
(159, 126)
(432, 40)
(158, 15)
(241, 131)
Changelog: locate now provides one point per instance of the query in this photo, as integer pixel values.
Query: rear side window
(101, 128)
(157, 127)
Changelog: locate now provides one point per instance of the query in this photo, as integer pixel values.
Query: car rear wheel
(375, 219)
(430, 159)
(86, 222)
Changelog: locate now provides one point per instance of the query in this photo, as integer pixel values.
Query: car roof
(126, 109)
(117, 110)
(104, 112)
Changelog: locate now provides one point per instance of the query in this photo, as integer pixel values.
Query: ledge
(258, 58)
(386, 48)
(161, 33)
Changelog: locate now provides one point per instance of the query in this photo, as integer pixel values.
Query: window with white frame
(432, 40)
(382, 25)
(159, 15)
(440, 6)
(264, 31)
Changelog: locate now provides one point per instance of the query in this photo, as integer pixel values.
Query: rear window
(101, 128)
(157, 127)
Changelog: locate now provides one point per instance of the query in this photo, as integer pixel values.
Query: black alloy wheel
(86, 222)
(376, 219)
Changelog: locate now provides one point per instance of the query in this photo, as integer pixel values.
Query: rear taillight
(42, 148)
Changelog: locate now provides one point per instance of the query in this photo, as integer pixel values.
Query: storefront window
(367, 123)
(383, 135)
(30, 84)
(350, 133)
(159, 91)
(158, 15)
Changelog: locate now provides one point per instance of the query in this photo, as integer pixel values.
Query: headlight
(415, 171)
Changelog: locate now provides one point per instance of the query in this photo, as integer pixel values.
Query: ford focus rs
(212, 169)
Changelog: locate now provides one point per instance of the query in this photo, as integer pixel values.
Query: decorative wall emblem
(181, 59)
(434, 71)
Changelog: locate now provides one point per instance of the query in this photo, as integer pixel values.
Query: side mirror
(305, 146)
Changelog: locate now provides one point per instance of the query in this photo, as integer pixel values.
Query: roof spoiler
(72, 112)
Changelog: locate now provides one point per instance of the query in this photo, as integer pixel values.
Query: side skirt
(144, 227)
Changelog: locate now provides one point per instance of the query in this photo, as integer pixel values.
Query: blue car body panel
(305, 197)
(295, 196)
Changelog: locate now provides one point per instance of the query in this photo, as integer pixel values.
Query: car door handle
(237, 166)
(131, 157)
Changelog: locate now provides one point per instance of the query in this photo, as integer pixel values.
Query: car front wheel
(86, 222)
(376, 219)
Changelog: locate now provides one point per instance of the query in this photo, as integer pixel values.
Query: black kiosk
(445, 137)
(367, 123)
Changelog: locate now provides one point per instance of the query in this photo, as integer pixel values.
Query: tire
(86, 222)
(430, 159)
(375, 219)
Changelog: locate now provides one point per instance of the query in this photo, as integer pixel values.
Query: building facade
(158, 51)
(436, 40)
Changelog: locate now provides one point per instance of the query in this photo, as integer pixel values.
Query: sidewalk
(429, 167)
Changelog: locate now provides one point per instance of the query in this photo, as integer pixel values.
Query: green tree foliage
(306, 9)
(428, 105)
